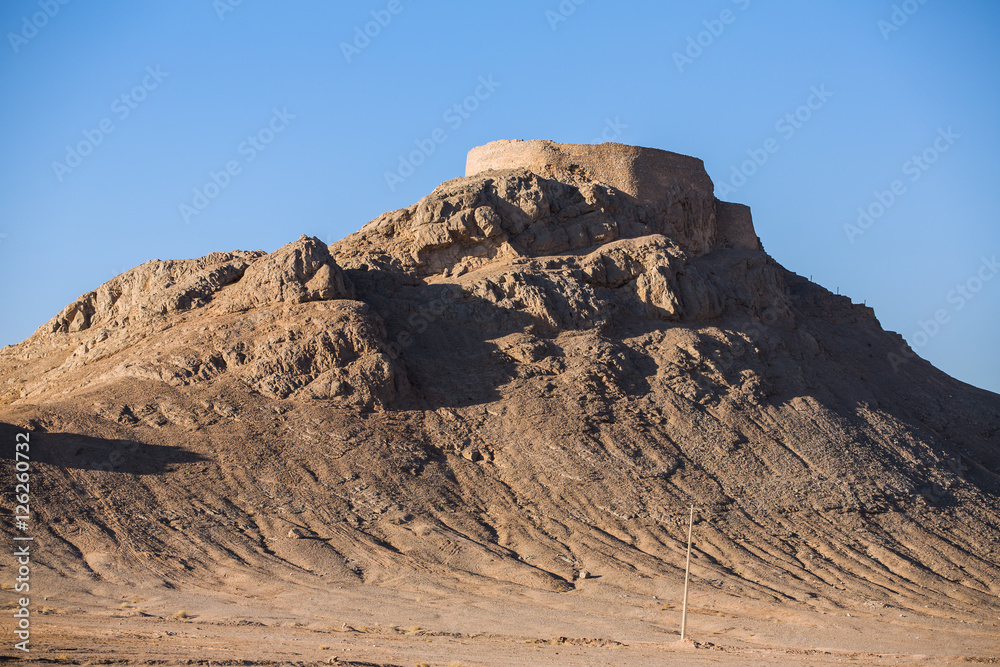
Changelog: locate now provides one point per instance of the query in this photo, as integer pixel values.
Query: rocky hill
(518, 383)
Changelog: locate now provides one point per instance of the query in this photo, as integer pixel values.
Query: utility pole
(687, 575)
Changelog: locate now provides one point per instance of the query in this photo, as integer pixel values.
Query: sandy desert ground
(420, 622)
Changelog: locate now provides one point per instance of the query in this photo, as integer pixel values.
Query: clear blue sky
(182, 86)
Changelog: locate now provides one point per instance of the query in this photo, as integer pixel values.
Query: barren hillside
(497, 404)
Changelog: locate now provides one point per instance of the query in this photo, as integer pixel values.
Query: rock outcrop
(676, 186)
(297, 273)
(150, 321)
(155, 289)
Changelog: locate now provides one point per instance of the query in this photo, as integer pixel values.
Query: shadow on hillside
(82, 452)
(448, 342)
(444, 338)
